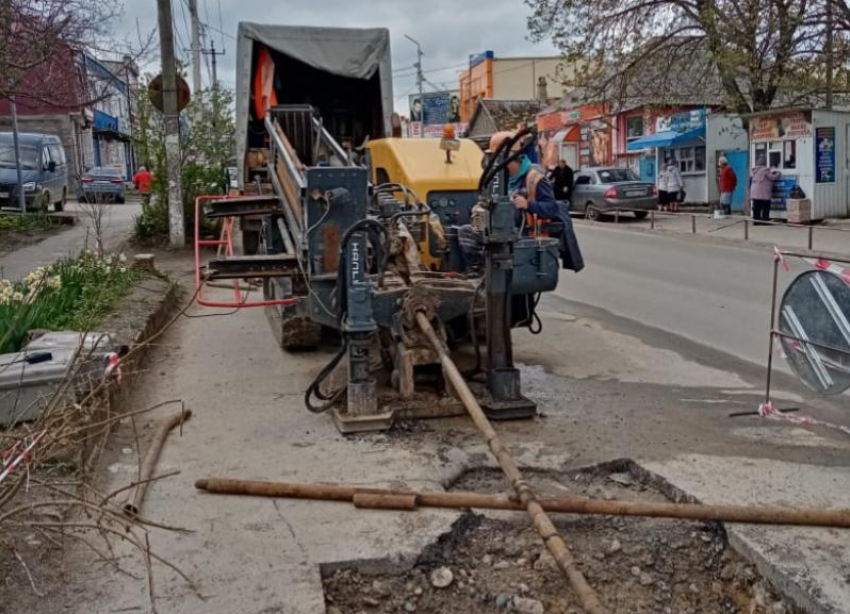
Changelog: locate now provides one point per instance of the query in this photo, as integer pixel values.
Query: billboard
(435, 108)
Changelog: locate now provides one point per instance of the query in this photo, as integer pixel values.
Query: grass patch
(71, 294)
(22, 222)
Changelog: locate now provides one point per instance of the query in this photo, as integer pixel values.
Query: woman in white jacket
(674, 184)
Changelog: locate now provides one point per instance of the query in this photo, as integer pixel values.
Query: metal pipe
(746, 230)
(337, 148)
(811, 236)
(772, 328)
(693, 224)
(652, 220)
(132, 507)
(284, 154)
(379, 498)
(553, 541)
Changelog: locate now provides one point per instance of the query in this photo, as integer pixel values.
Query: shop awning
(668, 138)
(563, 134)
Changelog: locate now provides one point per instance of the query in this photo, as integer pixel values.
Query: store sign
(680, 122)
(415, 129)
(825, 155)
(776, 127)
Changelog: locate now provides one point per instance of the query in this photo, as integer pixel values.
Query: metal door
(647, 168)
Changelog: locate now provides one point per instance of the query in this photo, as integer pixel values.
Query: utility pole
(176, 225)
(420, 79)
(22, 201)
(212, 52)
(196, 47)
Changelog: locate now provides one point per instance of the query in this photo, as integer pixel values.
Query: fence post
(811, 236)
(652, 220)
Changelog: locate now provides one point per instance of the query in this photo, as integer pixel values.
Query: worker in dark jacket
(532, 195)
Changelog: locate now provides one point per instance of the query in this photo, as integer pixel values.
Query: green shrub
(71, 294)
(23, 222)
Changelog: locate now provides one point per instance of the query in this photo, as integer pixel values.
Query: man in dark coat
(533, 194)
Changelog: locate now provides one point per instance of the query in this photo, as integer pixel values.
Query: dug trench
(494, 561)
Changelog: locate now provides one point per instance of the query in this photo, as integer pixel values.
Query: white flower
(18, 297)
(122, 257)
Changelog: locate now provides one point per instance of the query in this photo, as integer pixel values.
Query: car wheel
(43, 202)
(641, 214)
(592, 213)
(119, 200)
(60, 204)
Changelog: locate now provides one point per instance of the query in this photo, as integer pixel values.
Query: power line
(222, 32)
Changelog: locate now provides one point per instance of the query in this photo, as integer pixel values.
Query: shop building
(513, 78)
(809, 147)
(695, 140)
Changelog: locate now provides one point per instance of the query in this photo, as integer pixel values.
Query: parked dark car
(44, 171)
(602, 190)
(102, 184)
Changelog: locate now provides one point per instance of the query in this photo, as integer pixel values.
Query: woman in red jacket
(728, 182)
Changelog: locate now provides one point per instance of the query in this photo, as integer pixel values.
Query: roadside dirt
(496, 562)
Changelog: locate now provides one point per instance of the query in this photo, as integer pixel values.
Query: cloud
(448, 30)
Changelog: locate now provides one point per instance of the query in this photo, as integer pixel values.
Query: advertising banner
(825, 155)
(776, 127)
(435, 108)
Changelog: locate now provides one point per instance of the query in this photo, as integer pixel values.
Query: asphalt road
(716, 295)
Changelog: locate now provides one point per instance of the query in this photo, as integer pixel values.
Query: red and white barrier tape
(821, 264)
(10, 466)
(767, 410)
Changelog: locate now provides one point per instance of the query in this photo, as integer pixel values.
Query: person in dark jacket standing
(567, 179)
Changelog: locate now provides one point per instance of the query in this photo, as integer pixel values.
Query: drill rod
(382, 498)
(553, 541)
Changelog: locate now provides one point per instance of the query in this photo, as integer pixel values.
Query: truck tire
(59, 205)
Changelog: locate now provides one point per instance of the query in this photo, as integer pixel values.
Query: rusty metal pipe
(378, 498)
(554, 542)
(132, 507)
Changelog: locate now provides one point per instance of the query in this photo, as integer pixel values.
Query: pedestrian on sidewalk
(142, 181)
(761, 190)
(674, 184)
(728, 183)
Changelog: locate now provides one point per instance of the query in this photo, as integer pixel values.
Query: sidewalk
(117, 226)
(824, 236)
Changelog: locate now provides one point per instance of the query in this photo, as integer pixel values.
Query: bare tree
(762, 52)
(37, 43)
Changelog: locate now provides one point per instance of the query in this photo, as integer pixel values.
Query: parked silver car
(601, 190)
(102, 184)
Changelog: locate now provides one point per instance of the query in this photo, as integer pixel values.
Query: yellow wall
(516, 78)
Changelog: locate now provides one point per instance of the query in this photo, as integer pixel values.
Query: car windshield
(104, 171)
(617, 175)
(29, 156)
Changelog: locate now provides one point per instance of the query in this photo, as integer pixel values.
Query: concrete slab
(811, 566)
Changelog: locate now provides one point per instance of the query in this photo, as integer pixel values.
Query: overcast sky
(448, 30)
